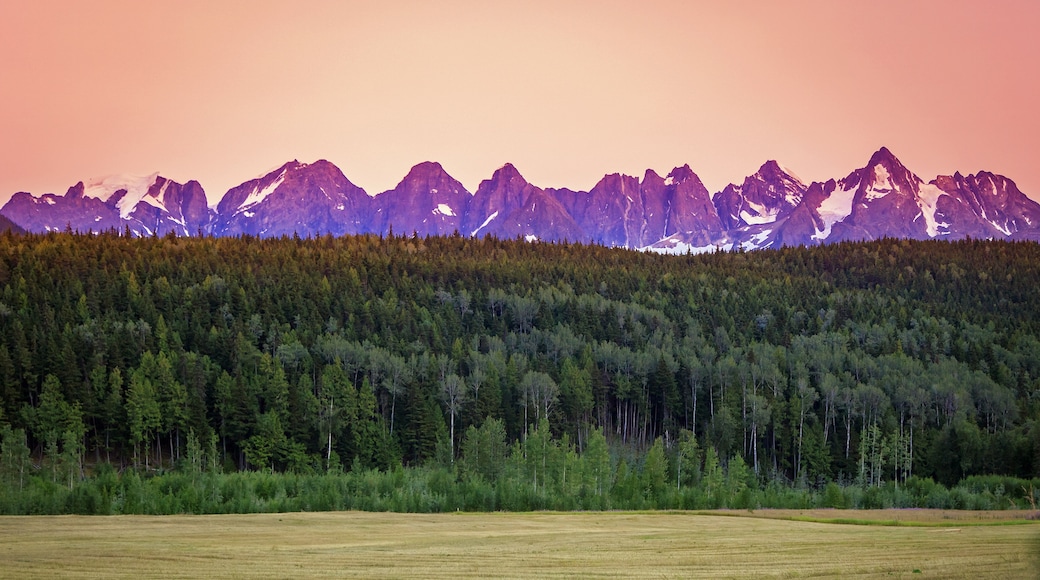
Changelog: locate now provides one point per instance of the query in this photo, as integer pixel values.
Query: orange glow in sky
(221, 90)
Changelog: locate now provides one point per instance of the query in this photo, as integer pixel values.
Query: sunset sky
(221, 91)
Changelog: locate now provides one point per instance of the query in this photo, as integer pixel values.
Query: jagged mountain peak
(506, 180)
(611, 180)
(680, 174)
(983, 205)
(886, 166)
(296, 197)
(291, 165)
(508, 173)
(651, 177)
(429, 177)
(882, 154)
(295, 166)
(76, 191)
(886, 201)
(425, 169)
(885, 173)
(507, 169)
(428, 201)
(764, 197)
(773, 171)
(496, 206)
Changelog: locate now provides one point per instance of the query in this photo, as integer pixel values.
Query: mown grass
(765, 543)
(913, 517)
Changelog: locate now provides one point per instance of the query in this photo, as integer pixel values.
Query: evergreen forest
(201, 375)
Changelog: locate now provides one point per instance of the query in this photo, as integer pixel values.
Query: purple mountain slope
(676, 213)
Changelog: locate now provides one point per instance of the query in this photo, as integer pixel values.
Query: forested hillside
(870, 363)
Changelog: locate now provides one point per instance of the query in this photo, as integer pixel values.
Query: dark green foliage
(720, 379)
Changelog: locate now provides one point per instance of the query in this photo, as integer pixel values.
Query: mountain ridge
(772, 207)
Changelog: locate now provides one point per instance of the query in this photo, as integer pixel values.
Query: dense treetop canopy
(873, 361)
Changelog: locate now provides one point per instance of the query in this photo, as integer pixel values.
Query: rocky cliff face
(169, 207)
(886, 202)
(428, 201)
(495, 200)
(296, 198)
(983, 205)
(771, 194)
(611, 214)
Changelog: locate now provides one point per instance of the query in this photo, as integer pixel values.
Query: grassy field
(766, 543)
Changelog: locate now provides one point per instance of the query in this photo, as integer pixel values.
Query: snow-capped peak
(136, 186)
(103, 187)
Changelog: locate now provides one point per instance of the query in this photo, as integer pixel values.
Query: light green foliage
(193, 458)
(484, 450)
(688, 460)
(598, 473)
(875, 453)
(14, 459)
(540, 451)
(655, 470)
(143, 411)
(714, 479)
(740, 480)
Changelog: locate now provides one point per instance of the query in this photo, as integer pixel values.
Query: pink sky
(220, 91)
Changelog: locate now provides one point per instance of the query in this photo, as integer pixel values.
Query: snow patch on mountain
(258, 195)
(759, 239)
(485, 224)
(104, 187)
(1002, 227)
(443, 209)
(882, 185)
(136, 186)
(834, 209)
(928, 197)
(761, 214)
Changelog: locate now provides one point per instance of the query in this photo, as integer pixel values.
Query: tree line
(878, 363)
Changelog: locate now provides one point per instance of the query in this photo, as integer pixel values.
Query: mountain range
(671, 214)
